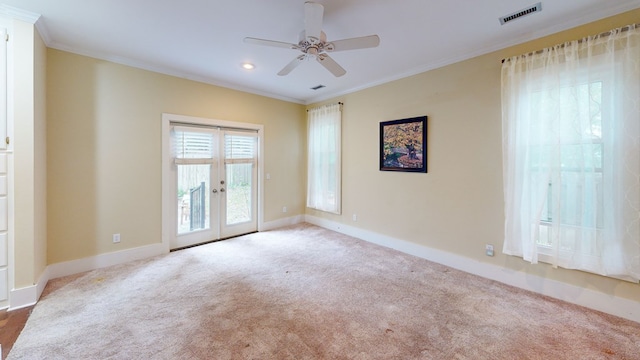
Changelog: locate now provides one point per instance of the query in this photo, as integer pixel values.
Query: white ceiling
(203, 39)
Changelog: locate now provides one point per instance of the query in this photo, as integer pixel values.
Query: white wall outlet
(284, 209)
(488, 250)
(355, 217)
(116, 238)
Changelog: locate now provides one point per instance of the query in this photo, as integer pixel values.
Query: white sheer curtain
(323, 163)
(571, 154)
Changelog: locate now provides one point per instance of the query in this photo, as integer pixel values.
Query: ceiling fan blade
(313, 20)
(280, 44)
(353, 43)
(330, 64)
(292, 65)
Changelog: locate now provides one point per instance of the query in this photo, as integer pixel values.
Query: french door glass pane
(193, 197)
(239, 194)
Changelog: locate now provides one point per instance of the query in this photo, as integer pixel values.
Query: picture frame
(403, 145)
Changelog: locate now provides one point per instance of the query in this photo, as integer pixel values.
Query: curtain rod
(339, 103)
(606, 33)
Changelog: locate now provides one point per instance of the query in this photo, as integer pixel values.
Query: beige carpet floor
(304, 292)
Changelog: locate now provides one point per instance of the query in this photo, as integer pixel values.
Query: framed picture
(403, 145)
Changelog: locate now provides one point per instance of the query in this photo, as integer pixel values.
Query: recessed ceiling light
(248, 66)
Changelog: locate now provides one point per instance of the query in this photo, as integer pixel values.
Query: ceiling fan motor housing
(313, 46)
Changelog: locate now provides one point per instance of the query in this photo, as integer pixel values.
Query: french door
(215, 183)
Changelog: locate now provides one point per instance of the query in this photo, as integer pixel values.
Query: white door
(238, 208)
(214, 175)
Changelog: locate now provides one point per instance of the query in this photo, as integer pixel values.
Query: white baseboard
(42, 282)
(292, 220)
(103, 260)
(610, 304)
(23, 297)
(29, 295)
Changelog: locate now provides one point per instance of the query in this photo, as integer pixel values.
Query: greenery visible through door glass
(239, 199)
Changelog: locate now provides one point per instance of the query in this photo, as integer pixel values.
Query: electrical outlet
(355, 217)
(488, 250)
(284, 209)
(116, 238)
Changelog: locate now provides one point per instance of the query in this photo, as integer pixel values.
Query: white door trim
(168, 223)
(7, 263)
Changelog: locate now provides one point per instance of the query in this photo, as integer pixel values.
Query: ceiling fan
(314, 45)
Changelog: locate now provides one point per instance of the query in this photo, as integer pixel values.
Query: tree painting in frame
(403, 145)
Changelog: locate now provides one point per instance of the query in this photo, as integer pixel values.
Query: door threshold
(211, 241)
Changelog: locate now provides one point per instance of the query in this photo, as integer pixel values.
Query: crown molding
(19, 14)
(28, 17)
(44, 34)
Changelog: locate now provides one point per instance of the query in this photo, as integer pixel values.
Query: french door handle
(215, 191)
(221, 189)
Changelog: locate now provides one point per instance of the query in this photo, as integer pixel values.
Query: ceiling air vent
(518, 14)
(317, 87)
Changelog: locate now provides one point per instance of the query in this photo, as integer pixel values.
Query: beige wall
(104, 150)
(30, 217)
(458, 205)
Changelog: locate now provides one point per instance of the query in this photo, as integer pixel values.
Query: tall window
(323, 175)
(571, 152)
